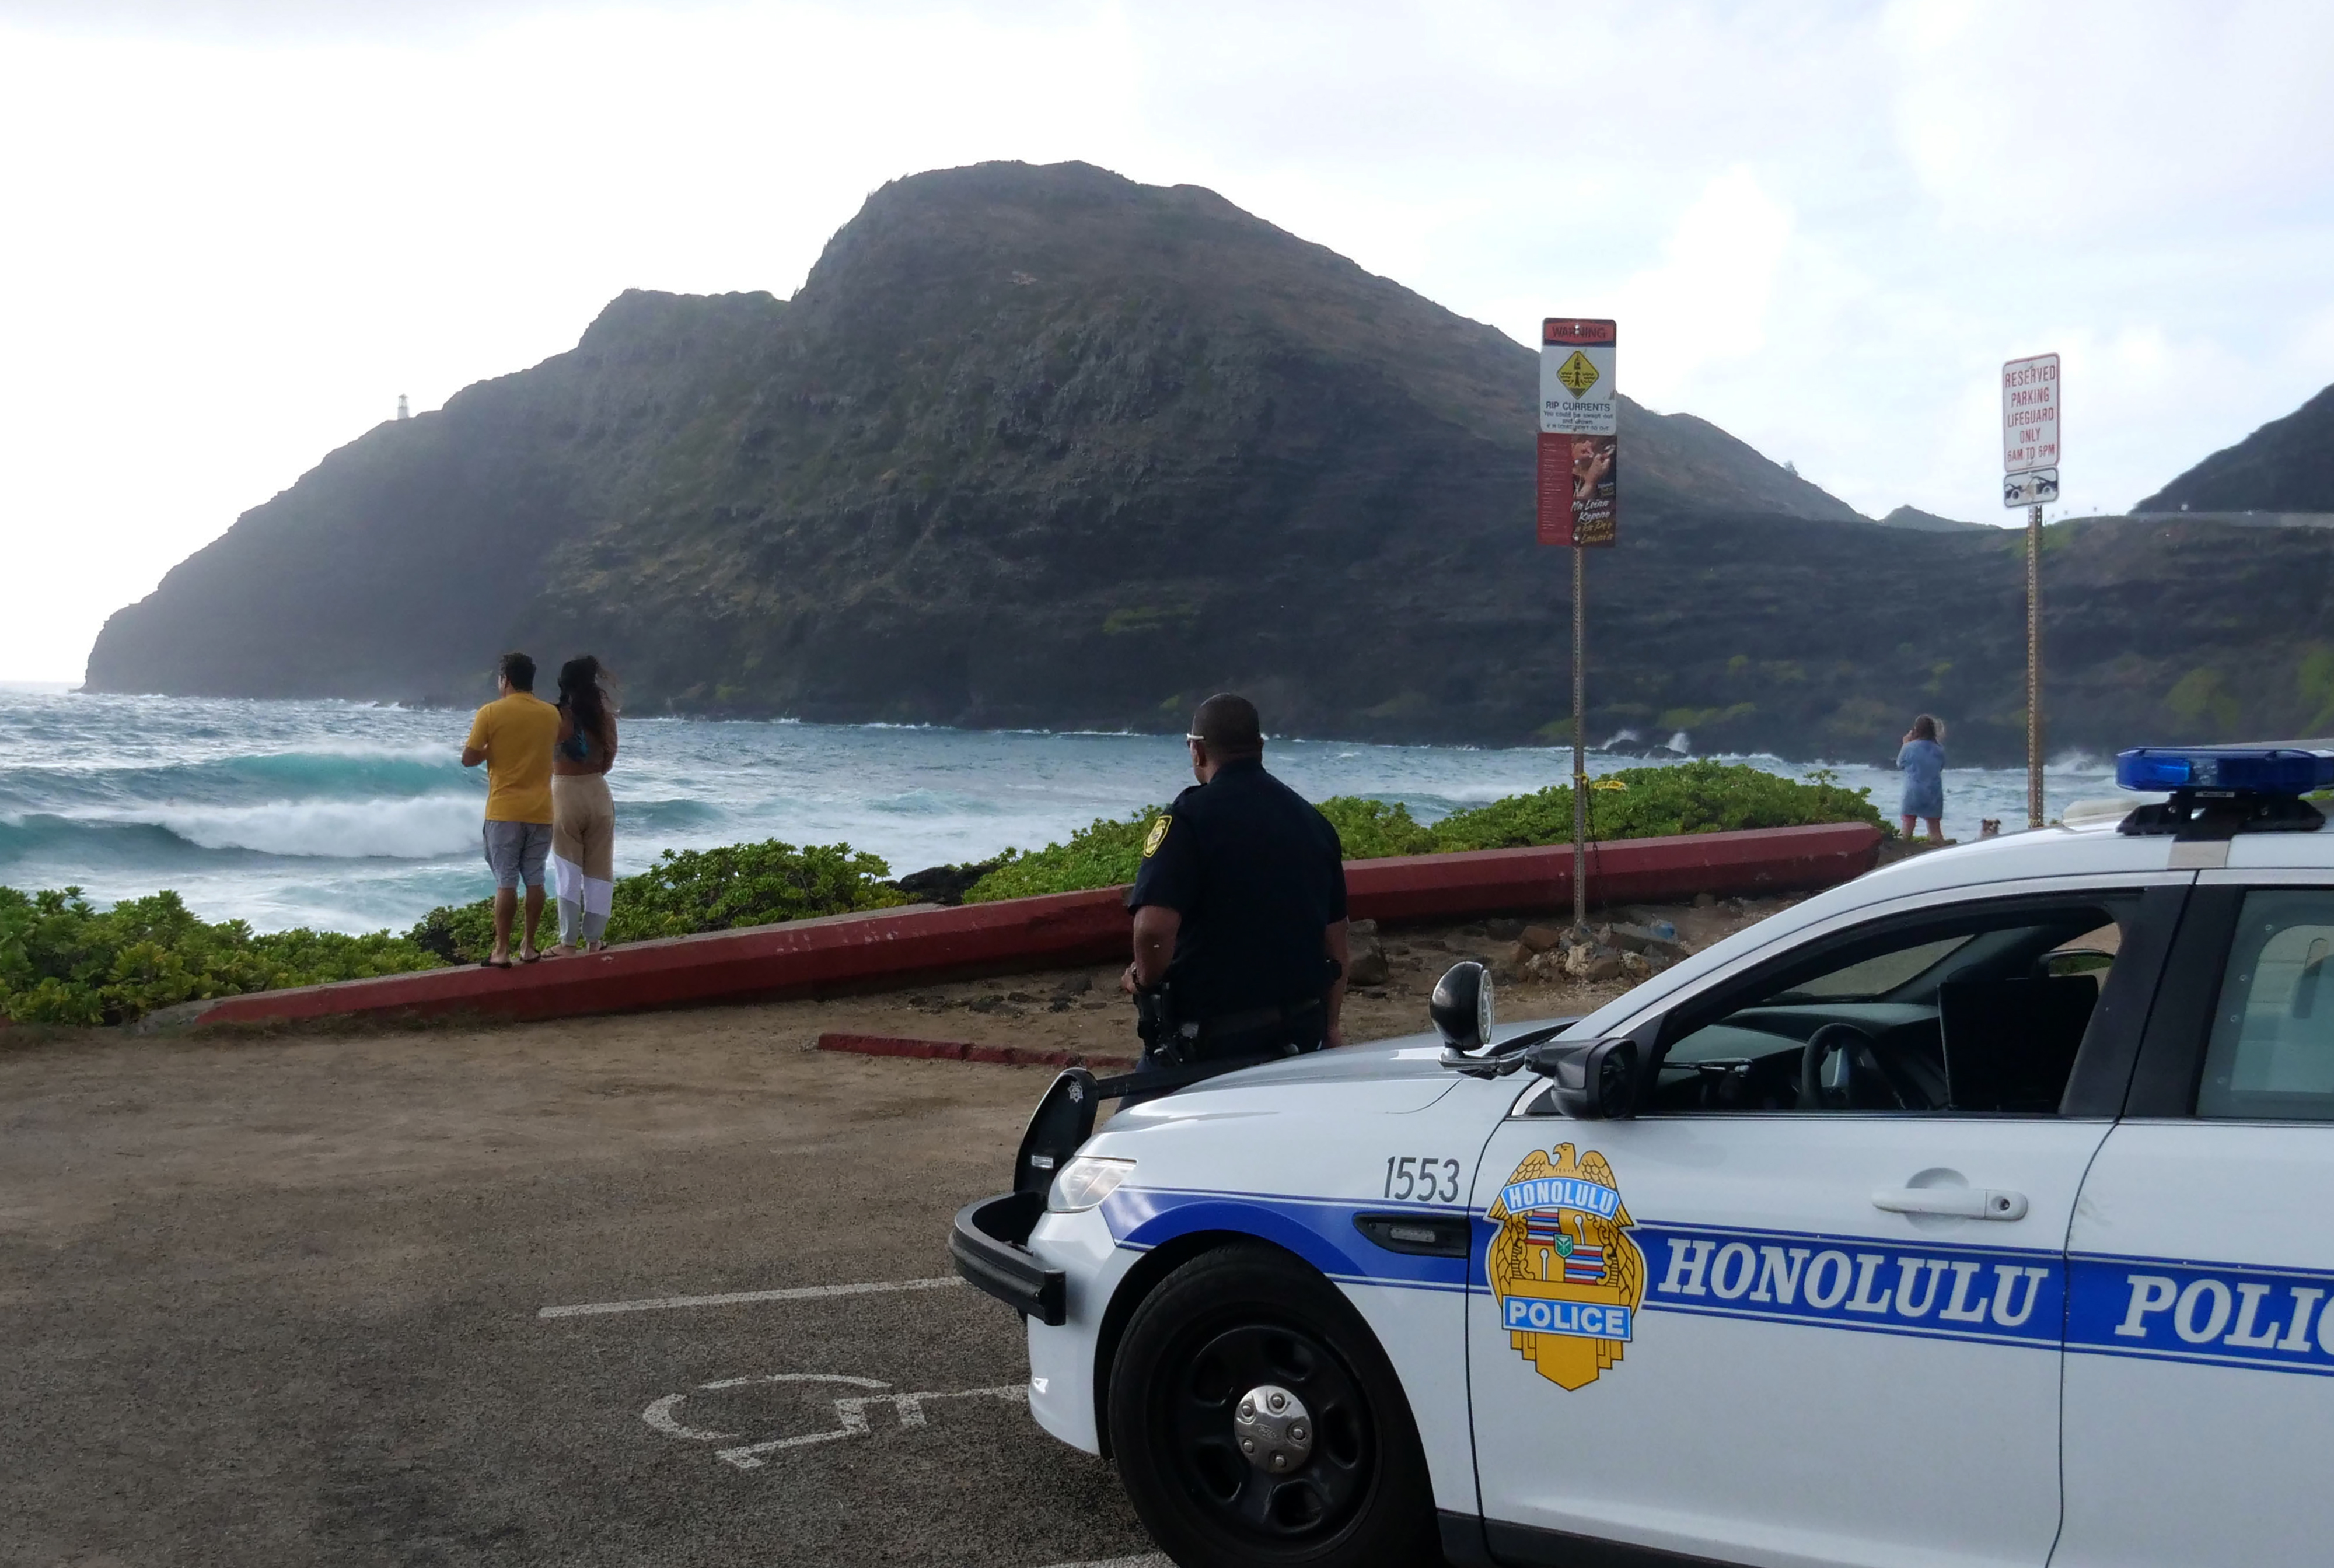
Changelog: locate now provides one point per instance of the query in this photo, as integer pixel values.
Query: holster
(1166, 1039)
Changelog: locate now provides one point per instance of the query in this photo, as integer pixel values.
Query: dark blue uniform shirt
(1257, 873)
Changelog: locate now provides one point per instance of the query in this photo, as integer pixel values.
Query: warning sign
(1579, 455)
(1575, 378)
(1578, 374)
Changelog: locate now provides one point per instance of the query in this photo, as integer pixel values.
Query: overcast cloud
(236, 231)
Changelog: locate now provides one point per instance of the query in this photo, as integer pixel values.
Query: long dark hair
(1925, 727)
(587, 695)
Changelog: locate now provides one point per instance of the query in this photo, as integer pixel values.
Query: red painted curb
(885, 948)
(958, 1051)
(1627, 872)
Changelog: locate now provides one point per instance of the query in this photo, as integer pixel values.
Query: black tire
(1244, 1316)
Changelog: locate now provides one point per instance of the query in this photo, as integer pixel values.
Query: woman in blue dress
(1924, 761)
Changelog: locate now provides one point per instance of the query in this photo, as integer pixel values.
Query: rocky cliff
(2287, 465)
(1042, 447)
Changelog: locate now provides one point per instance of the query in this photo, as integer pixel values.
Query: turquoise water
(349, 817)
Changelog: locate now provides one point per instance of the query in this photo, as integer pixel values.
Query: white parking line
(740, 1297)
(1148, 1560)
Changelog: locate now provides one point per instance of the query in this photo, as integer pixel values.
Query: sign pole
(2030, 468)
(2034, 666)
(1579, 738)
(1578, 481)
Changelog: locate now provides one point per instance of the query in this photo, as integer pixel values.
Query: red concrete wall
(889, 948)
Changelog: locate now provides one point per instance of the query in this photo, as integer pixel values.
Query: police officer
(1239, 909)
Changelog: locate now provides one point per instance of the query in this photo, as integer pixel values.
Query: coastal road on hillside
(282, 1301)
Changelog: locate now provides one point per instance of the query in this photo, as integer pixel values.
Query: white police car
(1980, 1211)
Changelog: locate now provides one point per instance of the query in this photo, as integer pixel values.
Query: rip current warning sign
(1575, 378)
(1579, 426)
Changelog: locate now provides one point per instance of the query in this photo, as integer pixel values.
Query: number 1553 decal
(1422, 1179)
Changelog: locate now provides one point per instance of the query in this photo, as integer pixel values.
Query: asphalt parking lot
(283, 1301)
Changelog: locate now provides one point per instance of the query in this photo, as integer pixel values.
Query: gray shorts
(516, 850)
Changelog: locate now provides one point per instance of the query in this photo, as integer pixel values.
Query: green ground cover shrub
(1690, 797)
(692, 890)
(62, 961)
(747, 885)
(1373, 830)
(1108, 851)
(1701, 796)
(1101, 854)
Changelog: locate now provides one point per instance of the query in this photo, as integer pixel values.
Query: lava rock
(1365, 960)
(1540, 938)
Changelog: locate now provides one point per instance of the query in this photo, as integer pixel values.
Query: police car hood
(1384, 1075)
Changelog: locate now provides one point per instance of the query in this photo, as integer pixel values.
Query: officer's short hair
(1227, 725)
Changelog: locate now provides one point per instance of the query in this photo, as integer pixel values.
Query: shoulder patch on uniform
(1157, 836)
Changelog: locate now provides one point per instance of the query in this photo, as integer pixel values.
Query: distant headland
(1042, 447)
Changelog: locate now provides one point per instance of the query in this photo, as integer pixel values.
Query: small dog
(1989, 827)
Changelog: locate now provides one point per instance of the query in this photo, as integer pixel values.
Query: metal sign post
(1579, 496)
(2030, 466)
(1580, 740)
(2034, 807)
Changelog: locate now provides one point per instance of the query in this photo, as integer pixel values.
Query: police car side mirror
(1592, 1082)
(1461, 1007)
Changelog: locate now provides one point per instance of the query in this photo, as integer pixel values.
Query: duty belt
(1262, 1018)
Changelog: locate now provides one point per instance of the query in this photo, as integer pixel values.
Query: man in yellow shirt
(512, 736)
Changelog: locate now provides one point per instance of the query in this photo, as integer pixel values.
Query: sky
(232, 232)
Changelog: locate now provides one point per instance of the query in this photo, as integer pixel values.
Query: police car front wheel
(1255, 1421)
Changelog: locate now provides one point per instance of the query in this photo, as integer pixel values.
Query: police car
(1978, 1211)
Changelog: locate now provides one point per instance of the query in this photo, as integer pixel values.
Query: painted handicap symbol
(851, 1410)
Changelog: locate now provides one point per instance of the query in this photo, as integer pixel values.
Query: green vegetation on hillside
(64, 962)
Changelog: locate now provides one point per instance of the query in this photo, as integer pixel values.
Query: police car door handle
(1955, 1202)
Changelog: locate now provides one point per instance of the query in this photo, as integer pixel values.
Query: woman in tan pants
(583, 815)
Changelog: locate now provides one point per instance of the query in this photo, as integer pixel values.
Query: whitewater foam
(429, 828)
(353, 817)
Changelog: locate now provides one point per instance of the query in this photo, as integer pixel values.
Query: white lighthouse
(403, 412)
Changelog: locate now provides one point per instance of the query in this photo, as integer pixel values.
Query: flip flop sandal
(490, 964)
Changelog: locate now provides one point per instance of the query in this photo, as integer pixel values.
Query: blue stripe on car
(1318, 1230)
(2222, 1314)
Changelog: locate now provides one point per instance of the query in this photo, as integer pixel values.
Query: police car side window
(1876, 976)
(1980, 1010)
(2271, 1051)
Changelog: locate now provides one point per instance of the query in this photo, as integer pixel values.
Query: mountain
(2286, 466)
(1043, 446)
(1921, 522)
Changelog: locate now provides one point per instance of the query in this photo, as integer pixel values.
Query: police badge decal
(1568, 1277)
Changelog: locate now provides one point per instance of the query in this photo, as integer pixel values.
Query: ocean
(347, 817)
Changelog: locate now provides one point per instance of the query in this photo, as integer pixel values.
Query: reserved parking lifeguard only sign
(1579, 426)
(2029, 414)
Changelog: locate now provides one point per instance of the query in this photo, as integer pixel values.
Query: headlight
(1085, 1182)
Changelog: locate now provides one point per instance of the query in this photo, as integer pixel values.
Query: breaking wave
(427, 827)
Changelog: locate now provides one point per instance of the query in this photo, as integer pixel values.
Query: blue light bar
(2258, 770)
